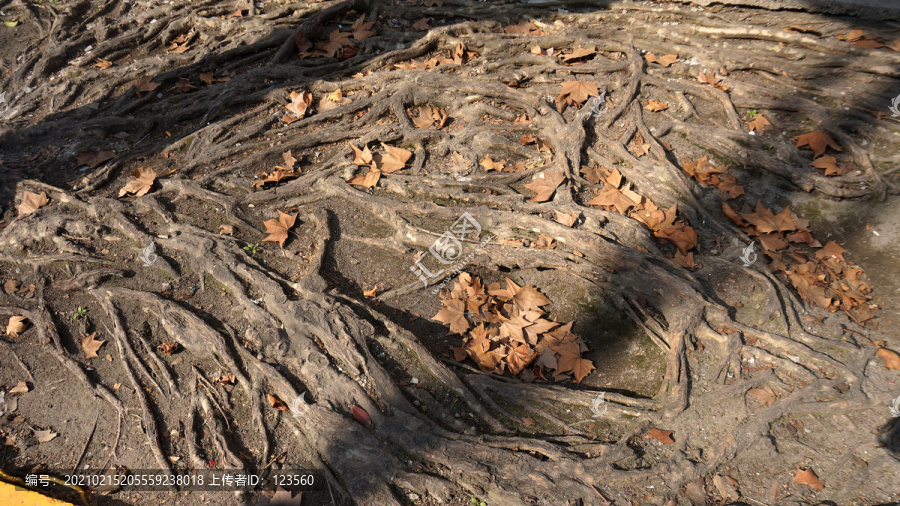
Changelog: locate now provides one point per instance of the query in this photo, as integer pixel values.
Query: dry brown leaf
(93, 160)
(665, 61)
(90, 345)
(300, 103)
(421, 24)
(278, 229)
(829, 165)
(656, 105)
(545, 186)
(236, 14)
(808, 477)
(817, 141)
(758, 124)
(11, 286)
(225, 379)
(44, 436)
(612, 197)
(20, 388)
(362, 29)
(103, 64)
(686, 261)
(276, 403)
(143, 84)
(544, 242)
(567, 218)
(16, 325)
(31, 202)
(663, 436)
(891, 359)
(141, 184)
(392, 161)
(764, 395)
(226, 229)
(168, 348)
(371, 293)
(361, 415)
(711, 79)
(368, 180)
(489, 164)
(577, 92)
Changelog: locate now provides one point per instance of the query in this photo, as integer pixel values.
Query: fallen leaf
(16, 325)
(489, 164)
(818, 142)
(103, 64)
(31, 202)
(225, 379)
(91, 345)
(143, 182)
(891, 358)
(665, 61)
(578, 55)
(582, 368)
(528, 422)
(276, 403)
(711, 79)
(45, 436)
(544, 242)
(361, 29)
(663, 436)
(545, 186)
(236, 14)
(116, 386)
(93, 160)
(656, 105)
(758, 124)
(394, 160)
(278, 229)
(368, 180)
(567, 218)
(300, 103)
(612, 197)
(361, 415)
(686, 261)
(143, 84)
(11, 286)
(828, 164)
(421, 25)
(765, 395)
(168, 348)
(20, 388)
(226, 229)
(808, 477)
(577, 92)
(370, 293)
(454, 315)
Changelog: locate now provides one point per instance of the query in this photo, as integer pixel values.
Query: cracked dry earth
(131, 123)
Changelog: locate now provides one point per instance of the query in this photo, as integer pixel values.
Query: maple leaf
(143, 84)
(656, 105)
(758, 124)
(686, 261)
(577, 55)
(421, 25)
(168, 348)
(545, 186)
(765, 395)
(361, 29)
(828, 164)
(808, 477)
(15, 326)
(367, 180)
(236, 14)
(577, 92)
(91, 345)
(31, 202)
(489, 164)
(394, 160)
(278, 229)
(300, 103)
(665, 61)
(361, 157)
(143, 182)
(581, 368)
(728, 185)
(891, 358)
(277, 403)
(612, 197)
(44, 436)
(519, 358)
(103, 64)
(93, 160)
(20, 388)
(528, 298)
(818, 142)
(663, 436)
(831, 250)
(567, 218)
(453, 314)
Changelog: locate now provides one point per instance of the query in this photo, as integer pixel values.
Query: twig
(86, 443)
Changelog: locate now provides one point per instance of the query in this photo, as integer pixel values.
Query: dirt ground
(712, 379)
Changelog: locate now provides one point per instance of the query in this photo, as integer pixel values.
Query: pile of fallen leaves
(392, 160)
(506, 329)
(617, 196)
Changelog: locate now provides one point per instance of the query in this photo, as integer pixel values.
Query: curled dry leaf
(299, 106)
(665, 61)
(545, 186)
(168, 348)
(567, 218)
(891, 358)
(90, 345)
(16, 326)
(758, 124)
(31, 202)
(225, 379)
(371, 293)
(141, 184)
(226, 229)
(20, 388)
(278, 229)
(663, 436)
(361, 415)
(276, 403)
(656, 105)
(808, 477)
